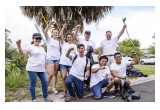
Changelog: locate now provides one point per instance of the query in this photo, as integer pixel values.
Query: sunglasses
(38, 38)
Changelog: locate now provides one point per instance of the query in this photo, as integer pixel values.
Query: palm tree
(14, 63)
(72, 15)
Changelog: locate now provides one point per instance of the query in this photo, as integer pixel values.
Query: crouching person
(100, 78)
(75, 79)
(118, 70)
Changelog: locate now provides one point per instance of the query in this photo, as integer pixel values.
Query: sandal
(69, 99)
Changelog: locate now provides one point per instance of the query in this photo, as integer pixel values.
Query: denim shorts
(52, 61)
(97, 89)
(64, 67)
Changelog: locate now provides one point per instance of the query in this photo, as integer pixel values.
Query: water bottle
(86, 77)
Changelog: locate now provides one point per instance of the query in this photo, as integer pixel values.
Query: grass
(146, 69)
(17, 87)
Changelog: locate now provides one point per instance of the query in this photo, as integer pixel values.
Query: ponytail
(32, 42)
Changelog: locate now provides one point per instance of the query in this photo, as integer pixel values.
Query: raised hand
(18, 42)
(70, 49)
(125, 26)
(78, 26)
(65, 25)
(52, 23)
(133, 53)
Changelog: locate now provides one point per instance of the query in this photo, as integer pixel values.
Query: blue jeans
(33, 79)
(78, 86)
(97, 89)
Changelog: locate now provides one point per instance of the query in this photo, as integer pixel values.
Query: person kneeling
(100, 78)
(75, 79)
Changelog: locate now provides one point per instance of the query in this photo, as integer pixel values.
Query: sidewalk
(133, 82)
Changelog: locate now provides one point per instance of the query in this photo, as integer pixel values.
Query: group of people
(75, 66)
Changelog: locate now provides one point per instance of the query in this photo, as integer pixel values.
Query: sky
(140, 25)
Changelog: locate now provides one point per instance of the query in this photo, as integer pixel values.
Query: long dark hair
(68, 33)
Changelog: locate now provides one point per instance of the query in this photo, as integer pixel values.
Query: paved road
(147, 92)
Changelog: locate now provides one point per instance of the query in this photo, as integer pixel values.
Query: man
(118, 69)
(75, 79)
(86, 41)
(100, 78)
(89, 48)
(108, 46)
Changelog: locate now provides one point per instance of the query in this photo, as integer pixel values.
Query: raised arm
(135, 58)
(122, 31)
(76, 32)
(61, 34)
(99, 52)
(47, 28)
(68, 53)
(18, 42)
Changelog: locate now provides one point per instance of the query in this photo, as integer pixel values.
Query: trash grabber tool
(124, 19)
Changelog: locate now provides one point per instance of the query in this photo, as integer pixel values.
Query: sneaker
(70, 99)
(130, 90)
(116, 92)
(55, 91)
(34, 100)
(63, 94)
(47, 99)
(108, 95)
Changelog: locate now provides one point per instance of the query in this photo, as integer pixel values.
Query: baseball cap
(36, 35)
(87, 32)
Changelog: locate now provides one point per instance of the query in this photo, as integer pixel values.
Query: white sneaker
(55, 91)
(34, 100)
(47, 99)
(63, 94)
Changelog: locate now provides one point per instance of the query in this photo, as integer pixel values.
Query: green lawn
(146, 69)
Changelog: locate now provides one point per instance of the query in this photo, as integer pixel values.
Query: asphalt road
(147, 93)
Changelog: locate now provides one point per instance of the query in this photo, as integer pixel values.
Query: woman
(36, 65)
(65, 62)
(53, 55)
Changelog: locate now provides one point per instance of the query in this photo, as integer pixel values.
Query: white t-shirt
(36, 60)
(53, 49)
(99, 76)
(120, 68)
(86, 43)
(78, 67)
(65, 60)
(109, 46)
